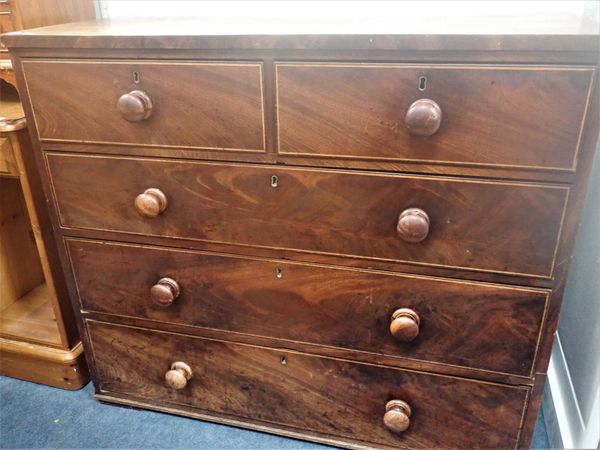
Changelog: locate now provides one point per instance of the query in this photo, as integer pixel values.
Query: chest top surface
(538, 32)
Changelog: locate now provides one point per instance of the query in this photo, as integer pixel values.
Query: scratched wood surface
(478, 225)
(491, 115)
(468, 324)
(327, 396)
(204, 105)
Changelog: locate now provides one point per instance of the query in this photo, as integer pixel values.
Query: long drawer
(479, 225)
(209, 105)
(512, 116)
(466, 324)
(333, 398)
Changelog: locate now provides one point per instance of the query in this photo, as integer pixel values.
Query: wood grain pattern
(318, 211)
(218, 105)
(473, 325)
(327, 396)
(503, 116)
(497, 231)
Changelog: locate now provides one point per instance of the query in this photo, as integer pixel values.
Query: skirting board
(564, 422)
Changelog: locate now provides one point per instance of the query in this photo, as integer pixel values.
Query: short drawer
(329, 397)
(473, 325)
(509, 116)
(476, 225)
(207, 105)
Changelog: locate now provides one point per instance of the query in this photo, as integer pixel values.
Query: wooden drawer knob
(397, 416)
(151, 202)
(405, 324)
(165, 291)
(413, 225)
(423, 117)
(135, 106)
(179, 375)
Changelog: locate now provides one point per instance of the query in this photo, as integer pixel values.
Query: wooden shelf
(31, 318)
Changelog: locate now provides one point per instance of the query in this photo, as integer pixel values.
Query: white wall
(348, 10)
(574, 372)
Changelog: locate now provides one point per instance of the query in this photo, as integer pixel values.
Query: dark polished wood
(466, 324)
(219, 105)
(319, 211)
(331, 397)
(491, 115)
(544, 33)
(308, 273)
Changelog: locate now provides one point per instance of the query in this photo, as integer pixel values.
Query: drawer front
(465, 324)
(215, 106)
(497, 115)
(331, 397)
(8, 165)
(474, 225)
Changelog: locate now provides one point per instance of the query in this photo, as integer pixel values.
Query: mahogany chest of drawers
(361, 240)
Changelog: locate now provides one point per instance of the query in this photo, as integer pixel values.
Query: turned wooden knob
(413, 225)
(423, 117)
(397, 416)
(135, 106)
(405, 324)
(151, 202)
(165, 291)
(179, 375)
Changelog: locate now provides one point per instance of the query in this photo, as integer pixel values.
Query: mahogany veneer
(358, 239)
(324, 211)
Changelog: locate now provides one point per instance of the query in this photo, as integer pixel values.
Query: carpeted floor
(35, 416)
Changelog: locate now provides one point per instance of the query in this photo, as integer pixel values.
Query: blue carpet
(35, 416)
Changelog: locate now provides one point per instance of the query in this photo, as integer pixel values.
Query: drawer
(329, 397)
(477, 225)
(8, 165)
(506, 116)
(208, 105)
(473, 325)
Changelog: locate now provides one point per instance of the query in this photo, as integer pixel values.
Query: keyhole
(136, 77)
(283, 360)
(422, 83)
(274, 181)
(279, 272)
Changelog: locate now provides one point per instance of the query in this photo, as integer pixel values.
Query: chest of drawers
(361, 240)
